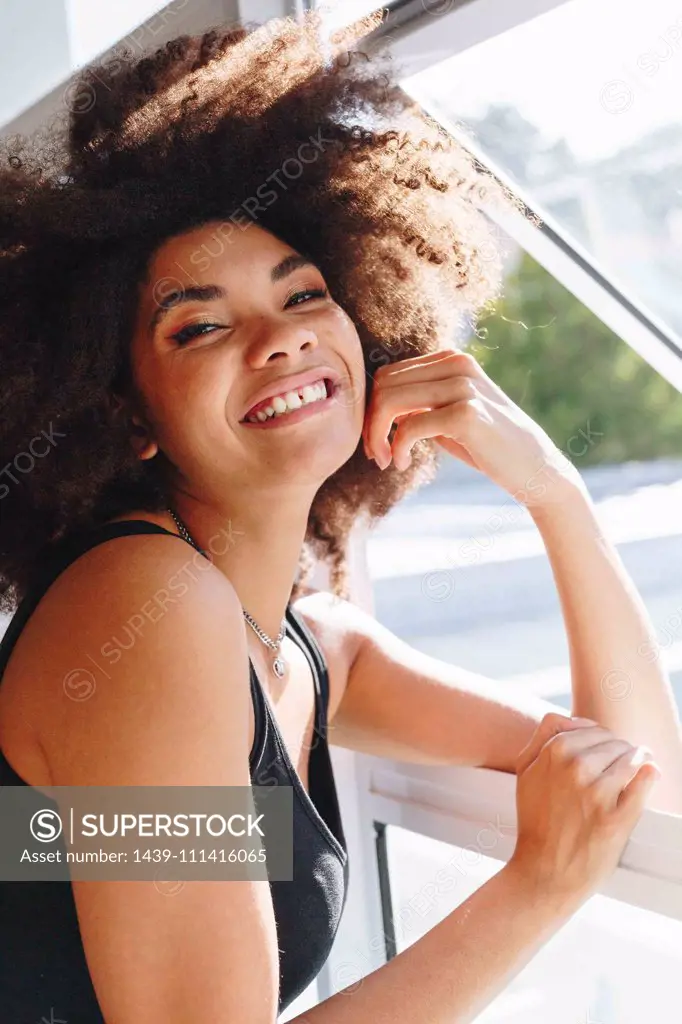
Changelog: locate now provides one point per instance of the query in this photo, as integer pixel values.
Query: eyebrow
(209, 292)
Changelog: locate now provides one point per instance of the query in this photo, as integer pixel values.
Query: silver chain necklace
(279, 664)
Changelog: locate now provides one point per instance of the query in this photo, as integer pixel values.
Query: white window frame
(461, 806)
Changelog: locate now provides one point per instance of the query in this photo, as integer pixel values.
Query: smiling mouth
(280, 406)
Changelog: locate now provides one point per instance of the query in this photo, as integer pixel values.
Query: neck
(259, 554)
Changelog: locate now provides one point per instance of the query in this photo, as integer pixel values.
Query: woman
(225, 324)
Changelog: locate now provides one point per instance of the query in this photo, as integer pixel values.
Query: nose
(278, 341)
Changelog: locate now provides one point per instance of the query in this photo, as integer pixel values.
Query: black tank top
(43, 970)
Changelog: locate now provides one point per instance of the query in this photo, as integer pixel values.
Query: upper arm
(400, 703)
(173, 712)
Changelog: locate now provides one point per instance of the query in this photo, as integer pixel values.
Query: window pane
(581, 108)
(610, 964)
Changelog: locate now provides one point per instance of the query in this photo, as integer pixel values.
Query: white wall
(34, 52)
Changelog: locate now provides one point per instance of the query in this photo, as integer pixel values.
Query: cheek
(197, 383)
(188, 404)
(352, 347)
(358, 381)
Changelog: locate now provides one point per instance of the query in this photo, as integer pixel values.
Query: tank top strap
(321, 782)
(305, 637)
(69, 550)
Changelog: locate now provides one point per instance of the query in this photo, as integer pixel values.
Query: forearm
(456, 969)
(618, 678)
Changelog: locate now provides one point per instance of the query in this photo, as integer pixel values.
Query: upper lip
(293, 382)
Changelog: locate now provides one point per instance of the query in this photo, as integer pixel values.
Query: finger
(552, 724)
(451, 363)
(619, 786)
(567, 747)
(458, 450)
(400, 376)
(416, 428)
(599, 757)
(414, 364)
(632, 799)
(432, 367)
(395, 399)
(400, 416)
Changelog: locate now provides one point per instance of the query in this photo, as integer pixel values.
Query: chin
(318, 458)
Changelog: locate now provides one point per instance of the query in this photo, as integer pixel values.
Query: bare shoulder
(124, 628)
(133, 581)
(339, 627)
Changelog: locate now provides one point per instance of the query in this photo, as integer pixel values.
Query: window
(580, 107)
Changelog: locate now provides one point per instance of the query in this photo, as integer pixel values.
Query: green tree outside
(570, 373)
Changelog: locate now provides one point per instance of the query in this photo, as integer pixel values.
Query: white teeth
(290, 400)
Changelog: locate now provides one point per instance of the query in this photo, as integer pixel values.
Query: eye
(316, 293)
(193, 331)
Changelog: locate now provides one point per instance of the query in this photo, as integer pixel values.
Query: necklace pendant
(278, 666)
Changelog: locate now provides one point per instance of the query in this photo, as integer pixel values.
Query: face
(250, 375)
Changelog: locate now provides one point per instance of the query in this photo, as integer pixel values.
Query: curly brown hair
(210, 127)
